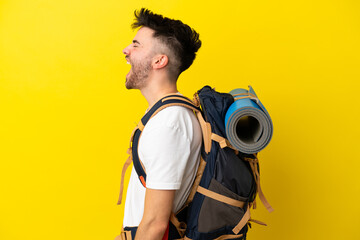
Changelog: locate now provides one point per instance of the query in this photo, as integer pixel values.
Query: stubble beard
(138, 75)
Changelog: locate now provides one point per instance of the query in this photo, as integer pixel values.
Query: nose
(126, 50)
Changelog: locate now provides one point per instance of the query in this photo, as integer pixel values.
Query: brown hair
(181, 40)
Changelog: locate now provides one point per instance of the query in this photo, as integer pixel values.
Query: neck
(158, 88)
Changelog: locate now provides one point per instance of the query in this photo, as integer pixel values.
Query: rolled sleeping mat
(247, 123)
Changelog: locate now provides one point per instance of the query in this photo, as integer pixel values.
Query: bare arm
(158, 207)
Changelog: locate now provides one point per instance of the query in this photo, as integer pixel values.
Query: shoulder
(174, 118)
(173, 115)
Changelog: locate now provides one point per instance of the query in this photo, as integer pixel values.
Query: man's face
(139, 54)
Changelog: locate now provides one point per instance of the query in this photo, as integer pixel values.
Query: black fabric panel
(136, 160)
(234, 173)
(215, 106)
(173, 233)
(193, 214)
(133, 231)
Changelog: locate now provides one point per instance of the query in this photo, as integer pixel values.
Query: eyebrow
(135, 41)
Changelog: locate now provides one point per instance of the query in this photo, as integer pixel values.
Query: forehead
(144, 36)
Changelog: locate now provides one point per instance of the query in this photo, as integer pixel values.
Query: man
(169, 147)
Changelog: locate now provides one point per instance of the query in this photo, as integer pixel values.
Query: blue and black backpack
(227, 181)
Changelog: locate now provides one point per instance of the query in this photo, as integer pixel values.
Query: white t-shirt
(169, 148)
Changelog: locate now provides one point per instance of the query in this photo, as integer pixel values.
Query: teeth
(128, 62)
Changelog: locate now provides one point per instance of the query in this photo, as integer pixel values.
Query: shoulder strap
(168, 101)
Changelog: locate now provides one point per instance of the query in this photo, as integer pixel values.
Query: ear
(160, 61)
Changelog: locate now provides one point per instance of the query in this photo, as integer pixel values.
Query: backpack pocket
(215, 214)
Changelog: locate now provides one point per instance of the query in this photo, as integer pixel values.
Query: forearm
(158, 206)
(151, 229)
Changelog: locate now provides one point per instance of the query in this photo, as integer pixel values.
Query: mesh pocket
(214, 214)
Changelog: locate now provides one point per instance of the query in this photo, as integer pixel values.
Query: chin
(128, 85)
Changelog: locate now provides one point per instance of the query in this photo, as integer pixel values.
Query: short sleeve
(164, 151)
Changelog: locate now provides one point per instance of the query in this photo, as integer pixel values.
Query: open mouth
(129, 64)
(127, 60)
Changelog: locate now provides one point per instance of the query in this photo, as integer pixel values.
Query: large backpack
(226, 183)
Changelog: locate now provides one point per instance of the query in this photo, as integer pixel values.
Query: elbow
(159, 227)
(155, 227)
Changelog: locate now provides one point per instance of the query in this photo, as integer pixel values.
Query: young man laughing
(169, 147)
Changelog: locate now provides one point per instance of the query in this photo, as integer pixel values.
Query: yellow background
(66, 116)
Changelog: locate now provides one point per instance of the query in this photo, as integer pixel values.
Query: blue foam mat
(248, 125)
